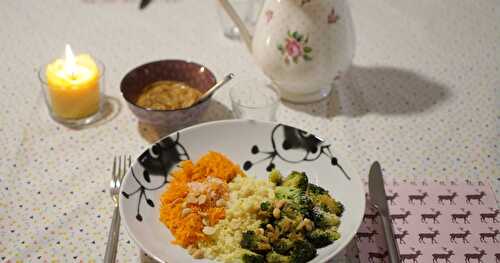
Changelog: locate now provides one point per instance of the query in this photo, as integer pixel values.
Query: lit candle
(73, 86)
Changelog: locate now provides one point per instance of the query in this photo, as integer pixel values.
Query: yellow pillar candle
(73, 86)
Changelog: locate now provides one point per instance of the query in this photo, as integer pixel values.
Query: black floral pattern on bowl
(294, 139)
(157, 161)
(166, 154)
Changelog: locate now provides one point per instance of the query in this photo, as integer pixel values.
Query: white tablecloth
(422, 98)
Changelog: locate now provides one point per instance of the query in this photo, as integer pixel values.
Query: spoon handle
(209, 92)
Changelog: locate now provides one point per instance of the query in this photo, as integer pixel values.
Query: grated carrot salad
(193, 200)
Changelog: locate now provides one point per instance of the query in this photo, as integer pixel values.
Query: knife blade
(379, 200)
(377, 189)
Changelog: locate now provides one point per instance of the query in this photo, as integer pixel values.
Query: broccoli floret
(323, 219)
(265, 206)
(283, 246)
(340, 209)
(285, 223)
(274, 257)
(275, 177)
(296, 180)
(265, 212)
(290, 211)
(286, 193)
(315, 189)
(250, 240)
(321, 197)
(250, 257)
(297, 210)
(304, 204)
(302, 252)
(322, 237)
(297, 200)
(329, 204)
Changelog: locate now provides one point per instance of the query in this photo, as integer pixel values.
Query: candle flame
(69, 61)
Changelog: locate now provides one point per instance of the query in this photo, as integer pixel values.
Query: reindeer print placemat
(435, 222)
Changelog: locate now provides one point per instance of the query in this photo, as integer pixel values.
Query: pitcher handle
(245, 34)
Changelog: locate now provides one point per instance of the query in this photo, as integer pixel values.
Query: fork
(119, 170)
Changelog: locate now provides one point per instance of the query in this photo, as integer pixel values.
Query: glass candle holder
(77, 103)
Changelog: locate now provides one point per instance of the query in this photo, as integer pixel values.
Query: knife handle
(392, 247)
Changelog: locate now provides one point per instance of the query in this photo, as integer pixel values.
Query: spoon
(207, 94)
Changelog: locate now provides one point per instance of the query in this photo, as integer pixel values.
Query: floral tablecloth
(422, 98)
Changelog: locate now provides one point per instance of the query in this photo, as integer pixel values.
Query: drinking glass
(257, 103)
(247, 9)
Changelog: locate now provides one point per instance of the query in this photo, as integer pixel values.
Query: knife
(379, 200)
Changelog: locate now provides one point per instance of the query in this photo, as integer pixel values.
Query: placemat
(435, 221)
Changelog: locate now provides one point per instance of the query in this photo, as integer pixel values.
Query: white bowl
(293, 149)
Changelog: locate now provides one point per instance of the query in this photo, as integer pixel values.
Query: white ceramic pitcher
(303, 46)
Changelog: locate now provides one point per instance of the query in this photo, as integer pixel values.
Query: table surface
(422, 98)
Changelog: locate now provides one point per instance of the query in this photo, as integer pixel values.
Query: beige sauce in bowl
(168, 95)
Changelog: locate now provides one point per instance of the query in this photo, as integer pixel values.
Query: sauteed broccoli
(302, 218)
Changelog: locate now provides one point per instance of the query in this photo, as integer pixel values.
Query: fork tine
(124, 168)
(119, 170)
(129, 162)
(114, 168)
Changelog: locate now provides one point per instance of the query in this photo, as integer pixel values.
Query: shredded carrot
(179, 213)
(215, 214)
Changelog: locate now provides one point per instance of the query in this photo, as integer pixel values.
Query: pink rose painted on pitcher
(295, 48)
